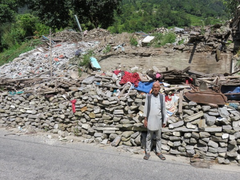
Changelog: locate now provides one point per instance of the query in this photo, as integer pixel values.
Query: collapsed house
(107, 106)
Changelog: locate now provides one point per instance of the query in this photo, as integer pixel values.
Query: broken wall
(204, 62)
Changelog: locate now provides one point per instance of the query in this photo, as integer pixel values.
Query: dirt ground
(127, 56)
(114, 51)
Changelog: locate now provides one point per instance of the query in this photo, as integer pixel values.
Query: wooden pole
(180, 104)
(51, 52)
(79, 25)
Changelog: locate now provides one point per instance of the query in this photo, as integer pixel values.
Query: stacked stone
(102, 115)
(211, 133)
(99, 115)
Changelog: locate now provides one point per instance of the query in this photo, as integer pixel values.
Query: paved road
(29, 157)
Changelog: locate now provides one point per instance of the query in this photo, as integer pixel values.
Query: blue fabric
(233, 94)
(144, 86)
(236, 90)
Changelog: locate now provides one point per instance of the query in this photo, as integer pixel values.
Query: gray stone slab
(193, 117)
(213, 129)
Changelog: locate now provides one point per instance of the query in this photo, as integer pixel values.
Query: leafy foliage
(231, 6)
(53, 13)
(107, 49)
(59, 13)
(10, 36)
(15, 50)
(86, 58)
(26, 23)
(146, 15)
(133, 41)
(99, 13)
(7, 11)
(25, 27)
(162, 39)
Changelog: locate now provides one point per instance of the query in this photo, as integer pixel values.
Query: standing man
(155, 119)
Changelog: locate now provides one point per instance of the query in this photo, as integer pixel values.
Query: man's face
(155, 89)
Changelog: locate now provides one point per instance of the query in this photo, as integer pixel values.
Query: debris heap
(49, 95)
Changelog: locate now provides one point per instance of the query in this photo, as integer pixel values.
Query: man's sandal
(161, 156)
(146, 157)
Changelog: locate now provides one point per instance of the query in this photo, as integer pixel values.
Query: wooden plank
(180, 102)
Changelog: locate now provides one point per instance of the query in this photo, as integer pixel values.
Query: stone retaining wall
(101, 116)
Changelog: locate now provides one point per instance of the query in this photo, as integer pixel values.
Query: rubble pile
(36, 63)
(210, 38)
(100, 110)
(97, 34)
(67, 36)
(48, 94)
(160, 30)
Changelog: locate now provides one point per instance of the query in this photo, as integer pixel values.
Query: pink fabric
(73, 105)
(158, 75)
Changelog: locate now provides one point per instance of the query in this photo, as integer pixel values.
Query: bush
(26, 27)
(16, 50)
(11, 36)
(86, 58)
(107, 49)
(157, 40)
(27, 24)
(133, 41)
(168, 38)
(181, 42)
(162, 39)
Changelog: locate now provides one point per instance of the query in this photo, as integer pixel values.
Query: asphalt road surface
(33, 157)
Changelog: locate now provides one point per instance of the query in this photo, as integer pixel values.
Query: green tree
(231, 5)
(59, 13)
(8, 9)
(99, 13)
(54, 13)
(27, 24)
(24, 28)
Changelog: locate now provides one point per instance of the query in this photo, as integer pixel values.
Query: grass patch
(195, 20)
(181, 42)
(107, 49)
(86, 58)
(162, 39)
(76, 131)
(200, 21)
(133, 41)
(10, 54)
